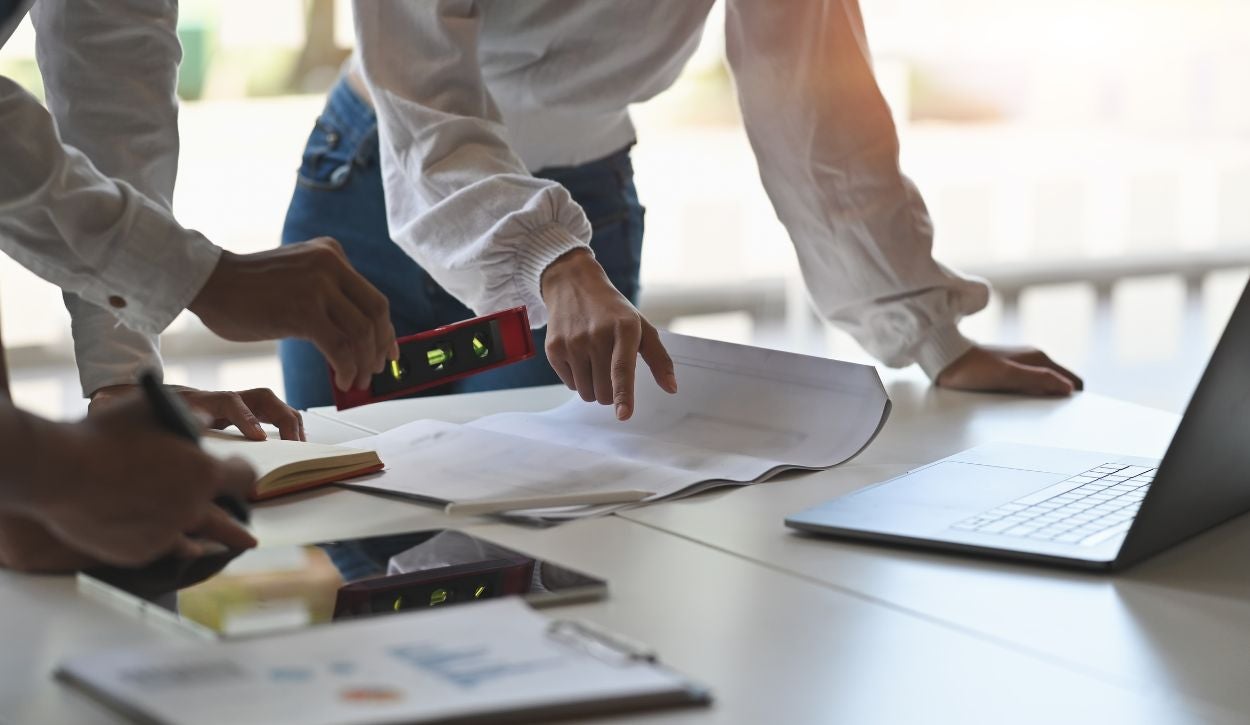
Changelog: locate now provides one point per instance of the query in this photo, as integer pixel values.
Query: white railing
(774, 300)
(776, 306)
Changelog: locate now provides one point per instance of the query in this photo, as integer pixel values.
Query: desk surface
(780, 627)
(1178, 623)
(772, 647)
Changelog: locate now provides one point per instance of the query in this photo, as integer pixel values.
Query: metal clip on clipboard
(599, 643)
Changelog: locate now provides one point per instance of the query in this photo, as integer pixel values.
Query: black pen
(177, 419)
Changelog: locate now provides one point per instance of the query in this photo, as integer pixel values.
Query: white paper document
(473, 662)
(741, 414)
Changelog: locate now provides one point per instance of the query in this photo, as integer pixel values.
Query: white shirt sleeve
(111, 243)
(828, 155)
(458, 199)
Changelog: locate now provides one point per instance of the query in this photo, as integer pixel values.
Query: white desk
(1177, 624)
(773, 646)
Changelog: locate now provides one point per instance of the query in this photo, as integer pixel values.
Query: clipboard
(487, 662)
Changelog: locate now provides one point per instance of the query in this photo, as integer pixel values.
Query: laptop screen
(1205, 477)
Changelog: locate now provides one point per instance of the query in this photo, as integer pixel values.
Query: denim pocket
(330, 154)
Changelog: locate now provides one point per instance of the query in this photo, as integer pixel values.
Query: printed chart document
(741, 415)
(467, 663)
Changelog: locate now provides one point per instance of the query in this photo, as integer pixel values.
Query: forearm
(101, 61)
(828, 157)
(89, 234)
(459, 200)
(32, 446)
(110, 74)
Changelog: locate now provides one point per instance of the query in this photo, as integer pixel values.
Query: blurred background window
(1091, 159)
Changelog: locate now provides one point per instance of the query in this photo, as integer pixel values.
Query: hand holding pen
(118, 487)
(176, 418)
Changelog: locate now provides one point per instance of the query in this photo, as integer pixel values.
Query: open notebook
(741, 415)
(483, 662)
(290, 466)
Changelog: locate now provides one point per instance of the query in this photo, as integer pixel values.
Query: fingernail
(670, 383)
(622, 411)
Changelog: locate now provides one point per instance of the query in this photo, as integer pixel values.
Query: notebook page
(282, 462)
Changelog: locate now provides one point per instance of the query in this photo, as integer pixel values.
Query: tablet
(274, 589)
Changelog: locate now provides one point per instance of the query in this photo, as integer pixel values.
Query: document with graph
(741, 415)
(473, 662)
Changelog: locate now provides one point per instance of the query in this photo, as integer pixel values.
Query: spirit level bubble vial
(445, 354)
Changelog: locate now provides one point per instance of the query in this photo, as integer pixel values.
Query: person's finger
(657, 359)
(230, 408)
(269, 408)
(218, 526)
(187, 548)
(601, 368)
(555, 357)
(624, 362)
(1039, 359)
(335, 344)
(334, 337)
(303, 435)
(331, 244)
(1034, 380)
(359, 331)
(583, 378)
(374, 306)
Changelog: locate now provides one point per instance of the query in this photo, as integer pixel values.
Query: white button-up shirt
(472, 95)
(86, 184)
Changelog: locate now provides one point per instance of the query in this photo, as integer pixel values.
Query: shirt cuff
(941, 347)
(108, 352)
(94, 377)
(146, 282)
(544, 246)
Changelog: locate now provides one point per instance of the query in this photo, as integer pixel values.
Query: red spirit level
(447, 353)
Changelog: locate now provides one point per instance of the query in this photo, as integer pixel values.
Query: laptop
(1066, 507)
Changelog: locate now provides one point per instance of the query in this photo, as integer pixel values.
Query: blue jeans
(339, 194)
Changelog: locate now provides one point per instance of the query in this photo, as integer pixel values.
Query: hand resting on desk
(1022, 370)
(246, 409)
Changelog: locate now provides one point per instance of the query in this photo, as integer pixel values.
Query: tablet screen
(272, 589)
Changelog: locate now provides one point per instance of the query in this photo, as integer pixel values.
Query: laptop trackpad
(955, 488)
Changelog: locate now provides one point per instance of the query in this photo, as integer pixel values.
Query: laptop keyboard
(1086, 509)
